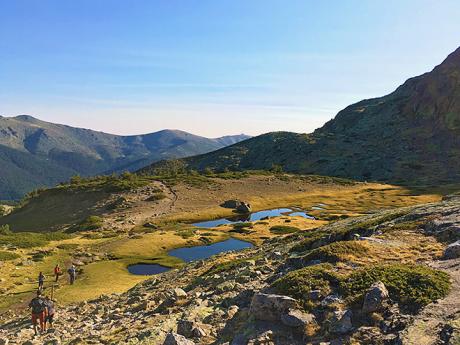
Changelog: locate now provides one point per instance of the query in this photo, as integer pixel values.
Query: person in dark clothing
(72, 274)
(38, 306)
(41, 280)
(49, 311)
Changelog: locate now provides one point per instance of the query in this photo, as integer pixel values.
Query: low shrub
(412, 286)
(6, 256)
(283, 229)
(186, 233)
(90, 223)
(299, 283)
(67, 246)
(336, 251)
(156, 196)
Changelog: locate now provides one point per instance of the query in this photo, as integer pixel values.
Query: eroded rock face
(270, 307)
(452, 251)
(375, 298)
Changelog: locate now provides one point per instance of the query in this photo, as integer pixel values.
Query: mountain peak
(453, 59)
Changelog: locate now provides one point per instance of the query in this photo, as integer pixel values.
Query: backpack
(37, 305)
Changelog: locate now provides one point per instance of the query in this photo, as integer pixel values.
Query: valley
(139, 230)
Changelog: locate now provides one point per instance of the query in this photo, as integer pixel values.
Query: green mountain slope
(411, 135)
(36, 153)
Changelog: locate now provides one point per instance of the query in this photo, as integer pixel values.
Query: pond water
(147, 269)
(190, 254)
(202, 252)
(252, 217)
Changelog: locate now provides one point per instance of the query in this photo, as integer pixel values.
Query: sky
(213, 67)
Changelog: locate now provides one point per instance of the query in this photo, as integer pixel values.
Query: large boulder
(244, 208)
(177, 339)
(231, 203)
(297, 318)
(452, 251)
(270, 307)
(376, 298)
(341, 322)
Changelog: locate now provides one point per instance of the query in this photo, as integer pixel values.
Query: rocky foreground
(334, 285)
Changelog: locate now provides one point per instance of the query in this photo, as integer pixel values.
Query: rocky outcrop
(271, 307)
(375, 298)
(452, 251)
(177, 339)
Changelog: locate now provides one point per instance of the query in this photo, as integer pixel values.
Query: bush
(90, 223)
(156, 196)
(31, 239)
(413, 286)
(337, 251)
(5, 230)
(283, 229)
(299, 283)
(5, 256)
(186, 233)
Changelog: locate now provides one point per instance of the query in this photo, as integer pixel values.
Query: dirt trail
(427, 326)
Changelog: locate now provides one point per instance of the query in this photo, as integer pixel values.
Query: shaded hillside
(410, 135)
(35, 153)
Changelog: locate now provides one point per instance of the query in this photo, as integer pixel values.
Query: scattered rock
(178, 293)
(177, 339)
(341, 322)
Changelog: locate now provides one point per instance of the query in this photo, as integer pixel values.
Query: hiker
(41, 280)
(72, 274)
(57, 272)
(38, 306)
(49, 311)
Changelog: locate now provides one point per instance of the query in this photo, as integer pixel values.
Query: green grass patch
(412, 286)
(6, 256)
(283, 229)
(336, 251)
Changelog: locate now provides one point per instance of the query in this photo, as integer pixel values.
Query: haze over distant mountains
(409, 136)
(36, 153)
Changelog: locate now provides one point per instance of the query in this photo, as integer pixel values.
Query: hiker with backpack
(72, 274)
(41, 280)
(49, 311)
(38, 306)
(57, 272)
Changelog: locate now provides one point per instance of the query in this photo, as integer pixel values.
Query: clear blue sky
(212, 67)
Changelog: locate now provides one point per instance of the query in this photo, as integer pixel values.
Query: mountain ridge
(36, 153)
(411, 135)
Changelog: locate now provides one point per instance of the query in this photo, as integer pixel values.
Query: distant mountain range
(36, 153)
(409, 136)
